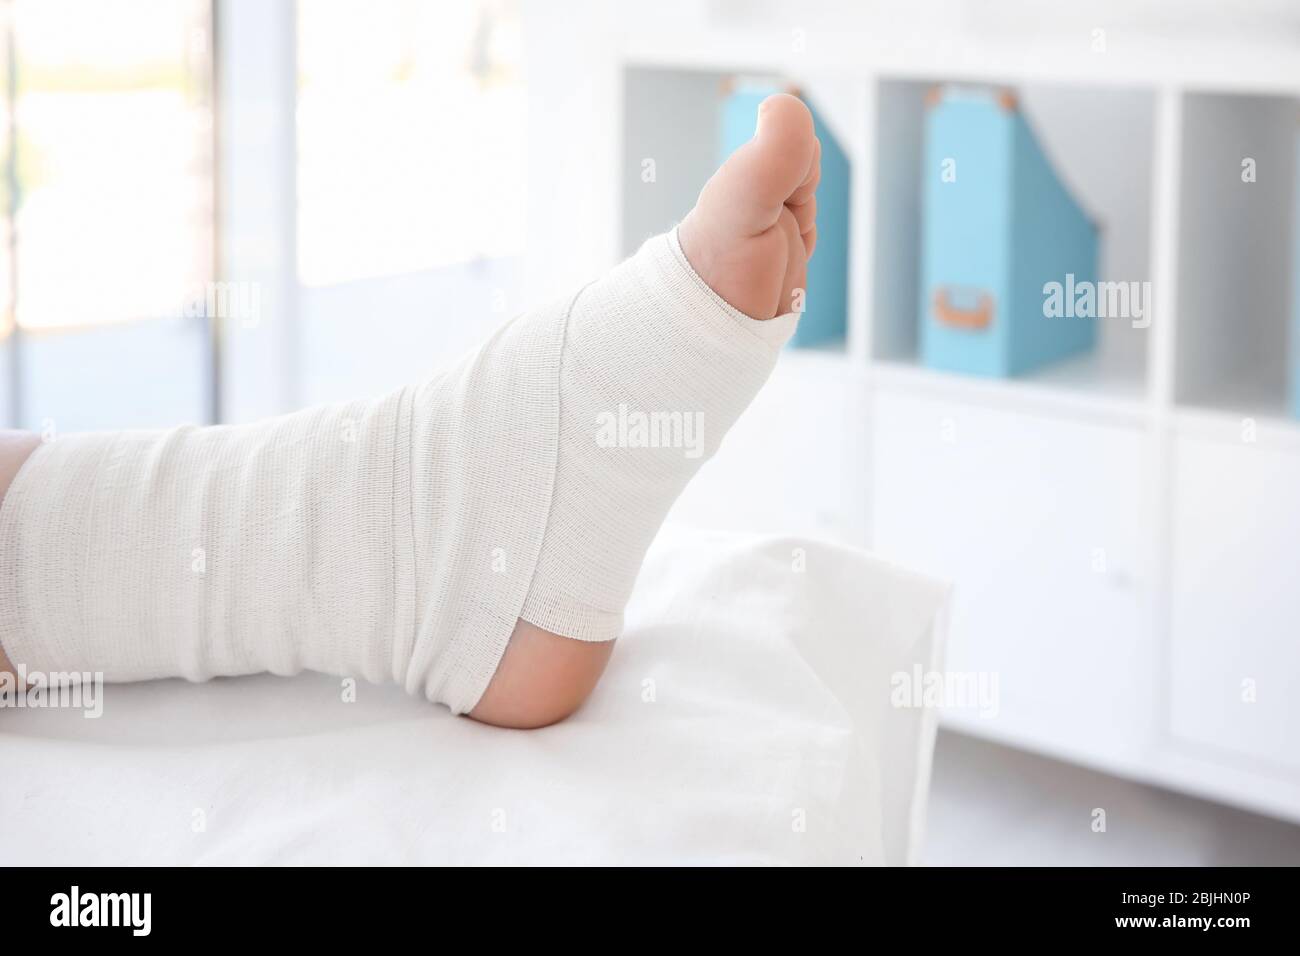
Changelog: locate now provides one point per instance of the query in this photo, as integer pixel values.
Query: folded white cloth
(746, 718)
(399, 538)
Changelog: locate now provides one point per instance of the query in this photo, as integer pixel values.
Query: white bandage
(399, 538)
(657, 368)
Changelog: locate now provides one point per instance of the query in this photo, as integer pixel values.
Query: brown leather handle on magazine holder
(980, 317)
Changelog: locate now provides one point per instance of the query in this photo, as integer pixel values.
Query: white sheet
(745, 718)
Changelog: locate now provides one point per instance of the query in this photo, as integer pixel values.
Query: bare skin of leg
(15, 448)
(749, 237)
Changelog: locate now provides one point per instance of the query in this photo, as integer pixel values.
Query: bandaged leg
(399, 538)
(404, 538)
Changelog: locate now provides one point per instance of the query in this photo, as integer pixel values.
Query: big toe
(778, 166)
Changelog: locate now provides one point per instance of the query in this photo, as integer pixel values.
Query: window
(107, 224)
(410, 174)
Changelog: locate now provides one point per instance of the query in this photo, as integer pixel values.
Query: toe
(808, 188)
(750, 234)
(750, 190)
(805, 214)
(810, 241)
(796, 271)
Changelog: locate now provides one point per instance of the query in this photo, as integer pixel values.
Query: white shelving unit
(1123, 530)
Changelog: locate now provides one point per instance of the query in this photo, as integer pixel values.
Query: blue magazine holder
(998, 225)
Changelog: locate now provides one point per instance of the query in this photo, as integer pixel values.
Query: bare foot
(754, 226)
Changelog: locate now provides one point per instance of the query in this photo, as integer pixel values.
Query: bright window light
(114, 146)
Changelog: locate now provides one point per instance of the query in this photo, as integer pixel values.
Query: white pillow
(745, 718)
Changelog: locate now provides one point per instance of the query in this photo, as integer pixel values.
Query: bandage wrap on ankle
(657, 368)
(399, 538)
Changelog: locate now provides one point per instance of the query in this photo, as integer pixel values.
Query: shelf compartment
(1237, 274)
(1078, 128)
